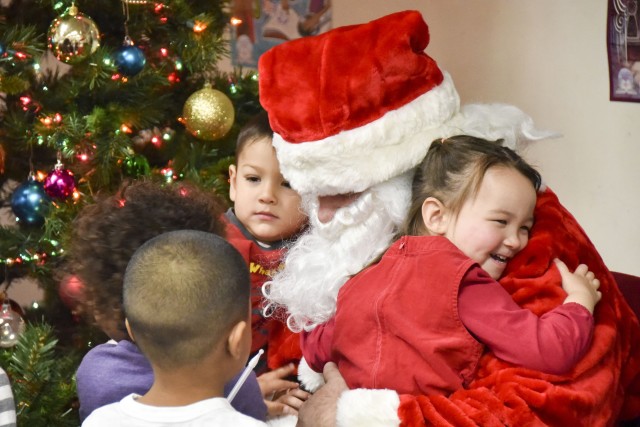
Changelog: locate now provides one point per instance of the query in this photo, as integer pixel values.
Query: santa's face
(346, 233)
(328, 205)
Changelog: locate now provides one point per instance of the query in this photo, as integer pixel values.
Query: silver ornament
(73, 36)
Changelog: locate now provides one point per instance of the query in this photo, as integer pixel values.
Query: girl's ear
(434, 216)
(235, 339)
(233, 175)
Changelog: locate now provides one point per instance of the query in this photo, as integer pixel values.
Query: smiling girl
(419, 319)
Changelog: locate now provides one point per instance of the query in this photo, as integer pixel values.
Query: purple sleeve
(249, 399)
(316, 345)
(109, 372)
(552, 343)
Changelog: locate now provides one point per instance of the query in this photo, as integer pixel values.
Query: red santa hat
(355, 106)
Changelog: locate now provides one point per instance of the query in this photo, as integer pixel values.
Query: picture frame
(623, 49)
(261, 24)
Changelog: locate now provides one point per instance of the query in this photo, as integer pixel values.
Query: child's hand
(581, 286)
(282, 397)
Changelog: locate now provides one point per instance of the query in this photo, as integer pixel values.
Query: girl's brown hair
(452, 171)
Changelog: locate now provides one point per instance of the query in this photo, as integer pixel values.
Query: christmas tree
(95, 93)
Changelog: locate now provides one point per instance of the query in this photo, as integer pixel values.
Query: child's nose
(268, 194)
(514, 241)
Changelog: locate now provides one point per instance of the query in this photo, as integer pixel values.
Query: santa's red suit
(354, 110)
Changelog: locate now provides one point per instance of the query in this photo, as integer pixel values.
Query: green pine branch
(41, 379)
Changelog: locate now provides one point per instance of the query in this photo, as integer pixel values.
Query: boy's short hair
(257, 127)
(182, 291)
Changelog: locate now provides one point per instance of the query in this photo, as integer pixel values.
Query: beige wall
(549, 58)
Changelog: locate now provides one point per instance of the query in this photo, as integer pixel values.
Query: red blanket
(601, 390)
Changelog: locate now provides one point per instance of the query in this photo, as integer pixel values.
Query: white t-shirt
(129, 412)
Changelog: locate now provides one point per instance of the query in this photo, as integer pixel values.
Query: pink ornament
(71, 291)
(60, 183)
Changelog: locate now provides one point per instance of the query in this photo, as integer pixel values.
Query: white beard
(327, 255)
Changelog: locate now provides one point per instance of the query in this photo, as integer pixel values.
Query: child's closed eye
(526, 228)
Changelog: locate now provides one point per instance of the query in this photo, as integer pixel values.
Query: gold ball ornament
(73, 36)
(208, 114)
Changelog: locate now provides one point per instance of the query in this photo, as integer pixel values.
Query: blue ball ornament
(3, 49)
(130, 60)
(30, 202)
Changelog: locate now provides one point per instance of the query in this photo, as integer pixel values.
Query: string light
(168, 174)
(235, 21)
(25, 101)
(32, 256)
(199, 27)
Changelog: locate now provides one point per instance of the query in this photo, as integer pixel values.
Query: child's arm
(581, 286)
(552, 343)
(316, 345)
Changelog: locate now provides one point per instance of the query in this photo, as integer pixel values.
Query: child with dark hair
(176, 283)
(471, 212)
(266, 217)
(105, 236)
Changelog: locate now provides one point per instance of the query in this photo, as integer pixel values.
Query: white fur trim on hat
(368, 408)
(356, 159)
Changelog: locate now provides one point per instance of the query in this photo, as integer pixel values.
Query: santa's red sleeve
(603, 388)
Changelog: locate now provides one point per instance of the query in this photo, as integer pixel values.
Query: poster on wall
(262, 24)
(623, 46)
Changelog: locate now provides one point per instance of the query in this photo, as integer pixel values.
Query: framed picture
(623, 46)
(261, 24)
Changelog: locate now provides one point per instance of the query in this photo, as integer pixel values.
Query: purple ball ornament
(60, 183)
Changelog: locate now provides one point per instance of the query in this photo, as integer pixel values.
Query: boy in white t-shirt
(186, 299)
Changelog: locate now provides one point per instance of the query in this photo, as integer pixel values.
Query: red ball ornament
(71, 292)
(60, 183)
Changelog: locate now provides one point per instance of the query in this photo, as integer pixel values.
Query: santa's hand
(282, 397)
(320, 410)
(581, 286)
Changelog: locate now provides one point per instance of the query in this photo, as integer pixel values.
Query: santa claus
(354, 110)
